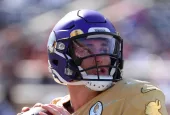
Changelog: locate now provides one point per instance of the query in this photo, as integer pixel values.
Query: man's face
(90, 47)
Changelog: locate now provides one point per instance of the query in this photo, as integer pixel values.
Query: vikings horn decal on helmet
(74, 39)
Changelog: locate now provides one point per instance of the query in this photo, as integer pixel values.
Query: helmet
(74, 30)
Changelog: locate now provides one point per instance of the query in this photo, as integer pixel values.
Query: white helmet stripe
(64, 81)
(82, 73)
(112, 71)
(61, 54)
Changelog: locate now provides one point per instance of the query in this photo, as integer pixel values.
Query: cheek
(89, 62)
(107, 60)
(86, 63)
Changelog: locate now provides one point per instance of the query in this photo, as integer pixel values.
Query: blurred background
(24, 29)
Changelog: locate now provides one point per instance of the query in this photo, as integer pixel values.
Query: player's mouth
(101, 71)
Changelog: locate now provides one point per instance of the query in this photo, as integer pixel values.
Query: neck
(80, 95)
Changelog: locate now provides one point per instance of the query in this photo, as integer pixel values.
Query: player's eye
(82, 52)
(104, 50)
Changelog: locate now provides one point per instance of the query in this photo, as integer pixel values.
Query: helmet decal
(51, 43)
(76, 32)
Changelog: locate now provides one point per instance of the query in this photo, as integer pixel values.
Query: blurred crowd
(24, 29)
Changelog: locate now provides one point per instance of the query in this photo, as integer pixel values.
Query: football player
(86, 54)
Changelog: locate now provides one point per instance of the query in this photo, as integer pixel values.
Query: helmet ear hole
(55, 62)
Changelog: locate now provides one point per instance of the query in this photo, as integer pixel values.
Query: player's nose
(99, 60)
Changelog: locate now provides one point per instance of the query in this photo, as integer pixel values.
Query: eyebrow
(81, 45)
(103, 44)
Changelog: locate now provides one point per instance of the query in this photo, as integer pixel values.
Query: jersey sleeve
(146, 103)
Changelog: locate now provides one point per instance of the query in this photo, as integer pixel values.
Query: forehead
(95, 41)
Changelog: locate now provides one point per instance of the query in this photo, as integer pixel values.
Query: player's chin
(100, 73)
(103, 74)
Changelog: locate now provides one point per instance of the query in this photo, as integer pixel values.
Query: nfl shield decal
(96, 109)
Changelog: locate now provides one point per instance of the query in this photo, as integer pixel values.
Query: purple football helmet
(83, 29)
